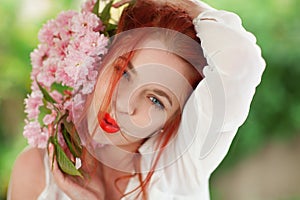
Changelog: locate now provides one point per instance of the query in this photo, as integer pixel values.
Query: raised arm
(221, 102)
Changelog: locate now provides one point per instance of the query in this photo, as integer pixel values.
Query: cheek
(145, 114)
(137, 116)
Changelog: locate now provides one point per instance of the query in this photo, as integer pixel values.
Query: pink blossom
(48, 32)
(42, 139)
(92, 75)
(102, 45)
(57, 96)
(35, 136)
(34, 86)
(62, 76)
(88, 87)
(88, 5)
(38, 56)
(69, 54)
(78, 101)
(68, 105)
(92, 43)
(31, 129)
(85, 22)
(77, 106)
(57, 29)
(47, 74)
(32, 104)
(77, 67)
(48, 119)
(86, 43)
(60, 45)
(64, 18)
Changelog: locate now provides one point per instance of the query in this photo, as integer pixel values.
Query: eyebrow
(162, 93)
(157, 91)
(130, 65)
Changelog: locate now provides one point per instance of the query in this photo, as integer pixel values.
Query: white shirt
(211, 117)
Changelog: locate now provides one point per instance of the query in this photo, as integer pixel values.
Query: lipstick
(108, 124)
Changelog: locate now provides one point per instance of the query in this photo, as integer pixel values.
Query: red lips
(108, 124)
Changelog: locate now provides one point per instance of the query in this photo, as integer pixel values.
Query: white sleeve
(220, 104)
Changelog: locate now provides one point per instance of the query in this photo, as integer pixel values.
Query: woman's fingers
(121, 3)
(50, 153)
(57, 174)
(192, 7)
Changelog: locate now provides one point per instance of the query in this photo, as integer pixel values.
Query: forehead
(156, 67)
(161, 58)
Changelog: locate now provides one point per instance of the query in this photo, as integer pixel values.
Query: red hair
(148, 14)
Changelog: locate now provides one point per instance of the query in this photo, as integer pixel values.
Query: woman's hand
(192, 7)
(75, 188)
(121, 3)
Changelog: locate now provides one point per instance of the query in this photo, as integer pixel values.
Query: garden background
(264, 159)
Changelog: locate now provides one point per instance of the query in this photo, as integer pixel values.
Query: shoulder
(28, 175)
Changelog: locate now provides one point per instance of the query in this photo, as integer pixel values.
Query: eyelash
(157, 103)
(125, 73)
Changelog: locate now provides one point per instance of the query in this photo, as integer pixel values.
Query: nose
(129, 110)
(124, 101)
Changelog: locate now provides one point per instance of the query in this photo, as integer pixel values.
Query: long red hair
(149, 14)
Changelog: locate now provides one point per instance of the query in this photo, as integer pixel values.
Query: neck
(118, 158)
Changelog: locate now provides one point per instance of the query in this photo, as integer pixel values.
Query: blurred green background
(264, 159)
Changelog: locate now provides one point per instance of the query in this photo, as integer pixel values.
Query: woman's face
(154, 86)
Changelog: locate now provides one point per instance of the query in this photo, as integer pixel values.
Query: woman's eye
(157, 103)
(126, 75)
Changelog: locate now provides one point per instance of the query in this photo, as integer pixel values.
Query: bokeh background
(264, 160)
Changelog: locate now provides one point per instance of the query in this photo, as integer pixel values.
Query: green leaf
(46, 94)
(96, 8)
(43, 112)
(60, 88)
(74, 149)
(72, 131)
(105, 14)
(110, 30)
(65, 164)
(111, 27)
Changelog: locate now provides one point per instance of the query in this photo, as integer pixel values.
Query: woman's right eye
(126, 75)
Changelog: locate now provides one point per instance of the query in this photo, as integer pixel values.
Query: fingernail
(78, 163)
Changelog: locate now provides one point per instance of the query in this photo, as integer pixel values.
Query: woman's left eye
(157, 103)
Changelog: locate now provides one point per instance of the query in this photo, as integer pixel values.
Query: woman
(164, 110)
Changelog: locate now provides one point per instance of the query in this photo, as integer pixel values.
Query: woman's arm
(28, 175)
(221, 102)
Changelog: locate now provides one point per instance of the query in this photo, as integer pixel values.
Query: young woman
(173, 89)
